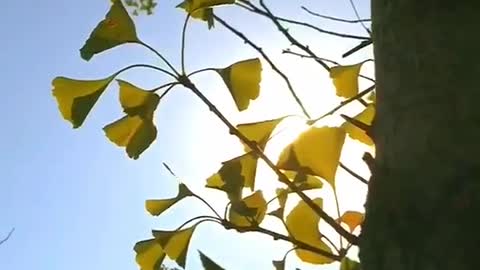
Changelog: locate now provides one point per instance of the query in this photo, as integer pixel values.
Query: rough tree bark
(423, 207)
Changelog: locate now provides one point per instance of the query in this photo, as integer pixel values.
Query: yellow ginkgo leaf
(303, 181)
(157, 207)
(204, 14)
(372, 97)
(249, 211)
(199, 4)
(150, 254)
(175, 243)
(234, 175)
(117, 28)
(352, 219)
(259, 132)
(302, 223)
(76, 98)
(243, 81)
(315, 152)
(132, 132)
(282, 196)
(137, 101)
(345, 79)
(356, 133)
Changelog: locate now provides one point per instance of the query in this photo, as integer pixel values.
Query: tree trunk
(423, 207)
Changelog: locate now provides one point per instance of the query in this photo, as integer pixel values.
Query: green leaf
(348, 264)
(315, 152)
(353, 219)
(234, 175)
(116, 29)
(175, 243)
(207, 263)
(259, 132)
(356, 133)
(137, 101)
(199, 4)
(302, 223)
(157, 207)
(249, 211)
(345, 79)
(243, 81)
(134, 133)
(150, 254)
(76, 98)
(204, 14)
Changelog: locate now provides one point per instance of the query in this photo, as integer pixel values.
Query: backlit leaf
(117, 28)
(345, 79)
(199, 4)
(157, 207)
(348, 264)
(356, 133)
(302, 223)
(208, 264)
(249, 211)
(150, 254)
(259, 132)
(76, 98)
(137, 101)
(315, 152)
(175, 243)
(352, 219)
(234, 175)
(132, 132)
(303, 181)
(204, 14)
(243, 81)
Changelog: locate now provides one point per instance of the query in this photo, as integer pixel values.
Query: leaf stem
(145, 66)
(184, 31)
(334, 18)
(159, 55)
(201, 70)
(337, 205)
(207, 204)
(7, 237)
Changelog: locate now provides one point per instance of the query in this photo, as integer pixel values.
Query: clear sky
(75, 199)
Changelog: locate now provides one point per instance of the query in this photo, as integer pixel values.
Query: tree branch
(8, 236)
(333, 18)
(354, 174)
(255, 9)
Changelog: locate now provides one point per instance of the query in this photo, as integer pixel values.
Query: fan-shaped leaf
(302, 223)
(134, 133)
(157, 207)
(76, 98)
(352, 219)
(175, 243)
(279, 265)
(209, 264)
(345, 79)
(150, 254)
(259, 132)
(137, 101)
(243, 81)
(117, 28)
(234, 175)
(303, 181)
(204, 14)
(249, 211)
(356, 133)
(315, 152)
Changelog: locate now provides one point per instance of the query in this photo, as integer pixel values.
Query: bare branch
(8, 236)
(255, 9)
(354, 174)
(334, 18)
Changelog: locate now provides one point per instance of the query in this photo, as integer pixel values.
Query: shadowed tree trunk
(423, 207)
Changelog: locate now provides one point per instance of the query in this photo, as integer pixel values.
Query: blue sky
(75, 199)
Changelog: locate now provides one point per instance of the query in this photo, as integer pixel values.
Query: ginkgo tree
(307, 163)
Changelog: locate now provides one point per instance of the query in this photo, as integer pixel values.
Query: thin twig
(282, 177)
(159, 55)
(255, 9)
(334, 18)
(342, 104)
(8, 236)
(265, 56)
(184, 33)
(358, 16)
(354, 174)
